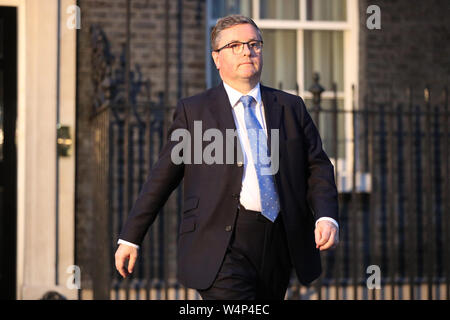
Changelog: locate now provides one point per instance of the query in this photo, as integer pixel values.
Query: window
(326, 10)
(302, 37)
(275, 9)
(280, 58)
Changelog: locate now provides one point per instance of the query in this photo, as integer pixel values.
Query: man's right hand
(123, 254)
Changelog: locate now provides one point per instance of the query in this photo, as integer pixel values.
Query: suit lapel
(272, 112)
(220, 108)
(221, 111)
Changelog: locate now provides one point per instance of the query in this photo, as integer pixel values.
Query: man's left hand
(327, 235)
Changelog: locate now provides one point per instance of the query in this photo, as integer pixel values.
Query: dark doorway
(8, 152)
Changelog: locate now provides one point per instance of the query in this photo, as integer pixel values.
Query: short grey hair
(228, 22)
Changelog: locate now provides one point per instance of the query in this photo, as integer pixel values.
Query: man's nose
(247, 50)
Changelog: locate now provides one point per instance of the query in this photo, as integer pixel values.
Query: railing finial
(316, 89)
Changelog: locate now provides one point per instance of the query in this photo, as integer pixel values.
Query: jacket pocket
(187, 225)
(190, 204)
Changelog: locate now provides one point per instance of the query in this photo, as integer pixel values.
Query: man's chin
(248, 74)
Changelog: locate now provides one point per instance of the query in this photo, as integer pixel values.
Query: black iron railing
(396, 222)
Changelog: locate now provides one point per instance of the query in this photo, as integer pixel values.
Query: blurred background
(87, 93)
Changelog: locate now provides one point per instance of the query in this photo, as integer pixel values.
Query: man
(243, 230)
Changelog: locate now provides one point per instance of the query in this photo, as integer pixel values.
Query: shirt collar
(234, 96)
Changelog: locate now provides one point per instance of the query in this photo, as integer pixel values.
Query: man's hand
(123, 254)
(327, 235)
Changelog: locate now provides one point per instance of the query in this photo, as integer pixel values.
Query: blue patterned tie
(270, 204)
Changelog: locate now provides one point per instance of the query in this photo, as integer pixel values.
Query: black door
(8, 157)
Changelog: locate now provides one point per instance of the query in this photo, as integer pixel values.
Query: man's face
(247, 65)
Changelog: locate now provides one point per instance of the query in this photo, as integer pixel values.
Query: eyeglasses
(237, 47)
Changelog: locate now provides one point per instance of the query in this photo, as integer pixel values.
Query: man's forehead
(240, 32)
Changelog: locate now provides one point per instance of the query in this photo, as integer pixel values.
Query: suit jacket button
(228, 228)
(240, 164)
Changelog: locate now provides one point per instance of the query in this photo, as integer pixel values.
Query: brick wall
(185, 64)
(411, 48)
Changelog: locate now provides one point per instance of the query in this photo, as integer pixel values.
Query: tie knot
(247, 101)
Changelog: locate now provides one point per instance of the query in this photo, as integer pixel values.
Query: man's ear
(215, 56)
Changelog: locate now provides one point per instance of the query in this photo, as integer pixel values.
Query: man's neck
(242, 87)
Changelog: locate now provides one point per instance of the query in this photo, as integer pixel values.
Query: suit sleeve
(321, 192)
(164, 177)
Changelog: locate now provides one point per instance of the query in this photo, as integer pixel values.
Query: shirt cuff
(128, 243)
(328, 219)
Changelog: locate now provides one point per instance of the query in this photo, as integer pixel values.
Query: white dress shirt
(249, 196)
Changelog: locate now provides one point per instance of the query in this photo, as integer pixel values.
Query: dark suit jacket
(305, 183)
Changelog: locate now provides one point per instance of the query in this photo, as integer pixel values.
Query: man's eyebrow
(231, 41)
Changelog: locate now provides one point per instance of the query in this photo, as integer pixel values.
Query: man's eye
(234, 45)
